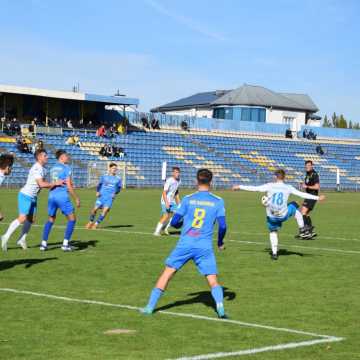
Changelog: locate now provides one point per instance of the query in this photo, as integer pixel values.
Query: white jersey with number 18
(278, 193)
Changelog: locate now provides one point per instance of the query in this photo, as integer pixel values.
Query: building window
(288, 120)
(239, 113)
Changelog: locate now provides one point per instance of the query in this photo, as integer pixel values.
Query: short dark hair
(309, 162)
(204, 176)
(175, 168)
(6, 160)
(59, 153)
(280, 174)
(38, 152)
(112, 165)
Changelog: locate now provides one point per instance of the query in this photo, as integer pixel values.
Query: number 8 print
(199, 216)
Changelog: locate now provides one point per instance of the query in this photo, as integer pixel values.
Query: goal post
(96, 169)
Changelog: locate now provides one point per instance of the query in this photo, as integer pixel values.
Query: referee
(311, 185)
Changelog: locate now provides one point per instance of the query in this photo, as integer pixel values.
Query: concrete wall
(295, 119)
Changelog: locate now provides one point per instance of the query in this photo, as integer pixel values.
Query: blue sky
(161, 50)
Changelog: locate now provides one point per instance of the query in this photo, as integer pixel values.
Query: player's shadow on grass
(201, 297)
(77, 245)
(118, 226)
(285, 252)
(9, 264)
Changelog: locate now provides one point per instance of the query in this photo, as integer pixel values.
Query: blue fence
(333, 133)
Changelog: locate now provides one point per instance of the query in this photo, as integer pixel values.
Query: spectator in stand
(145, 123)
(184, 125)
(101, 131)
(23, 146)
(311, 135)
(305, 134)
(69, 124)
(155, 124)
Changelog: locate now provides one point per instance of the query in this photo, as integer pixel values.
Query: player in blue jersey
(109, 186)
(197, 215)
(59, 198)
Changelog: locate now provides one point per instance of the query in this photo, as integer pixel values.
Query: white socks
(299, 219)
(168, 225)
(159, 227)
(25, 230)
(274, 242)
(11, 229)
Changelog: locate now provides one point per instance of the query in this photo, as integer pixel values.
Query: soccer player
(170, 199)
(197, 215)
(6, 163)
(27, 199)
(277, 208)
(59, 199)
(109, 186)
(312, 186)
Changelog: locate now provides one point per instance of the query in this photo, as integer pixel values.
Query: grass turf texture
(307, 289)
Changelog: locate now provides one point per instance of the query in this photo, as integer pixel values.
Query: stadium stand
(233, 157)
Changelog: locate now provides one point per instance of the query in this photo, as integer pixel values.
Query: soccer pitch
(57, 305)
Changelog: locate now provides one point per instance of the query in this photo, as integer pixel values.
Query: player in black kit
(312, 186)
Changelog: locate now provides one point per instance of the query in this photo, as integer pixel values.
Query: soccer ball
(265, 201)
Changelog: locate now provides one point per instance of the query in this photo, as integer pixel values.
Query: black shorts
(309, 204)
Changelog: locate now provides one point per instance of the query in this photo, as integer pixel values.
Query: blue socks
(47, 229)
(218, 294)
(100, 219)
(154, 297)
(69, 229)
(92, 218)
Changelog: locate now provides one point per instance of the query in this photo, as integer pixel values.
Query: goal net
(96, 169)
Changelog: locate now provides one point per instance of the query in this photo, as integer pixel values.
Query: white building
(248, 103)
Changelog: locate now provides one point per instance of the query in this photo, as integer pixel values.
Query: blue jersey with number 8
(199, 211)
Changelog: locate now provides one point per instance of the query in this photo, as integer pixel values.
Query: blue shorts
(27, 205)
(104, 202)
(173, 208)
(275, 224)
(62, 203)
(204, 259)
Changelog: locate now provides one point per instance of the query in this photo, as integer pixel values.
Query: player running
(277, 208)
(59, 199)
(27, 199)
(170, 200)
(197, 215)
(312, 186)
(6, 163)
(109, 186)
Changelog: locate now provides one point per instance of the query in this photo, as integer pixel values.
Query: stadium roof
(250, 95)
(68, 95)
(203, 99)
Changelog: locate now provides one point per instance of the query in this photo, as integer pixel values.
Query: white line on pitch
(324, 338)
(292, 345)
(179, 314)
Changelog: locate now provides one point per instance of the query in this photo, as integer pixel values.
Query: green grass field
(313, 287)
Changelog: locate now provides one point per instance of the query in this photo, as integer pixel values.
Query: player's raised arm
(221, 220)
(260, 188)
(306, 195)
(43, 184)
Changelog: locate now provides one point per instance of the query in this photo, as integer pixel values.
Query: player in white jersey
(27, 199)
(277, 208)
(170, 200)
(6, 163)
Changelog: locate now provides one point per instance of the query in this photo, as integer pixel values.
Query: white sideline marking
(341, 251)
(323, 338)
(260, 350)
